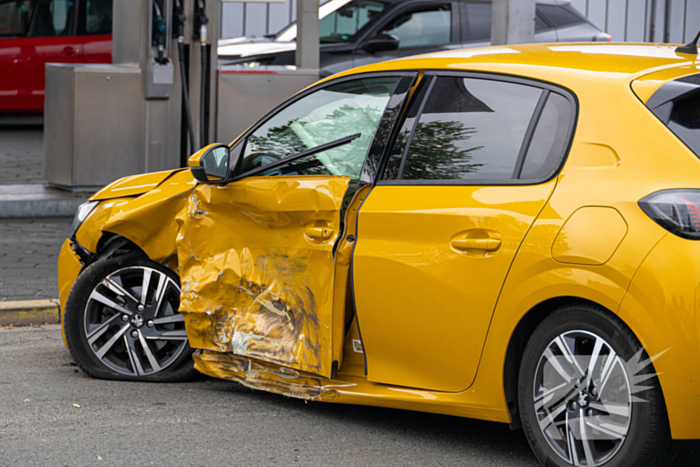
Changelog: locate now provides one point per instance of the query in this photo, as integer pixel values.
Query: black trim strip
(534, 120)
(415, 125)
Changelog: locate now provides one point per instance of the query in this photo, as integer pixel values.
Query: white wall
(624, 20)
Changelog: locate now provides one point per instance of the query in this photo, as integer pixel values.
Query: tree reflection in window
(470, 129)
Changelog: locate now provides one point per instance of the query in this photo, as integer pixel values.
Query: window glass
(98, 17)
(422, 28)
(560, 16)
(14, 17)
(549, 139)
(332, 113)
(470, 129)
(478, 22)
(540, 25)
(52, 18)
(343, 23)
(685, 120)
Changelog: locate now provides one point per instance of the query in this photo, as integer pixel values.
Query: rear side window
(98, 17)
(677, 105)
(549, 140)
(475, 130)
(14, 17)
(470, 129)
(560, 16)
(478, 26)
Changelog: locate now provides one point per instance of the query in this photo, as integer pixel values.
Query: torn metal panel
(134, 185)
(257, 268)
(150, 220)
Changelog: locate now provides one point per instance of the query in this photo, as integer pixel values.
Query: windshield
(340, 20)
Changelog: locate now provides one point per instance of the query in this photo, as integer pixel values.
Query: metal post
(307, 53)
(667, 22)
(513, 22)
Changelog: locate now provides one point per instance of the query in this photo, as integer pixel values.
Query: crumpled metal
(257, 278)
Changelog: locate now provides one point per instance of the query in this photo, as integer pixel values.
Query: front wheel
(122, 322)
(587, 394)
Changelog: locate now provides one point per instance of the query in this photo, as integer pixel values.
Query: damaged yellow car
(506, 233)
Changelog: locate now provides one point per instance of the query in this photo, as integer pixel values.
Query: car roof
(601, 61)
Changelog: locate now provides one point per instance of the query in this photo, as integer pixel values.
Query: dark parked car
(359, 32)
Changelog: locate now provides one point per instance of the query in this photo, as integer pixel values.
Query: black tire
(175, 357)
(648, 439)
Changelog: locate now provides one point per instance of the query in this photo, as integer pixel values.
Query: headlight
(82, 213)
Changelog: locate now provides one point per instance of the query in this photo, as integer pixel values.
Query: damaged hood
(133, 185)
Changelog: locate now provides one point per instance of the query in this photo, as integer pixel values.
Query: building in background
(675, 21)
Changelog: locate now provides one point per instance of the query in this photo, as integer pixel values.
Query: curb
(29, 312)
(37, 200)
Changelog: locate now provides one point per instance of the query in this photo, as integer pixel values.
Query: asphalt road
(214, 422)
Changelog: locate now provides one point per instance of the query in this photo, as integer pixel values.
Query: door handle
(486, 244)
(69, 50)
(321, 233)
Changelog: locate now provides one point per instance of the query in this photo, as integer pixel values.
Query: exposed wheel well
(516, 348)
(114, 245)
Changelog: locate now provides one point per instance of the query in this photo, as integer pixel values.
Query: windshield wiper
(308, 152)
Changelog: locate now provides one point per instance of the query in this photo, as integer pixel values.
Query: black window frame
(546, 87)
(377, 149)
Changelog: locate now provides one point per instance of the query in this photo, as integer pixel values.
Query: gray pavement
(21, 154)
(28, 257)
(215, 422)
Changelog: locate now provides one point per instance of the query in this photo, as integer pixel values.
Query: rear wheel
(122, 322)
(587, 394)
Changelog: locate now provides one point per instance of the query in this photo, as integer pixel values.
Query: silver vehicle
(359, 32)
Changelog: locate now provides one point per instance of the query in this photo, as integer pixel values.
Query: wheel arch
(519, 339)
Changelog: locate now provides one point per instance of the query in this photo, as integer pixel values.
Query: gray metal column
(513, 22)
(307, 53)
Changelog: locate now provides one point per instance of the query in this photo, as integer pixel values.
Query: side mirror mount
(211, 163)
(382, 43)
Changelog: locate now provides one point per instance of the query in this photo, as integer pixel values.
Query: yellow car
(506, 233)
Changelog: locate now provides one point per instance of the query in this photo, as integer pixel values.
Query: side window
(53, 18)
(98, 17)
(327, 115)
(540, 24)
(550, 139)
(478, 27)
(560, 16)
(422, 28)
(343, 23)
(14, 17)
(470, 129)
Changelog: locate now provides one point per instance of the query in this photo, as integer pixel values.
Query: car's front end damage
(136, 212)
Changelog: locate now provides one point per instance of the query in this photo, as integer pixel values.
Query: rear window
(677, 105)
(560, 16)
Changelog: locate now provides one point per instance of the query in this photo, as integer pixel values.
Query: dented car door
(257, 255)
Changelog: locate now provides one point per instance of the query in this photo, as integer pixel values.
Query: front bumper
(69, 267)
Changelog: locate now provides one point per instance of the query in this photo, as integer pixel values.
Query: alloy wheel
(582, 398)
(131, 322)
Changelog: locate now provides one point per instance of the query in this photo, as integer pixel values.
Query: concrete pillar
(307, 53)
(513, 22)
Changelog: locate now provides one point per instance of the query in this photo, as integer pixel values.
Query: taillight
(678, 211)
